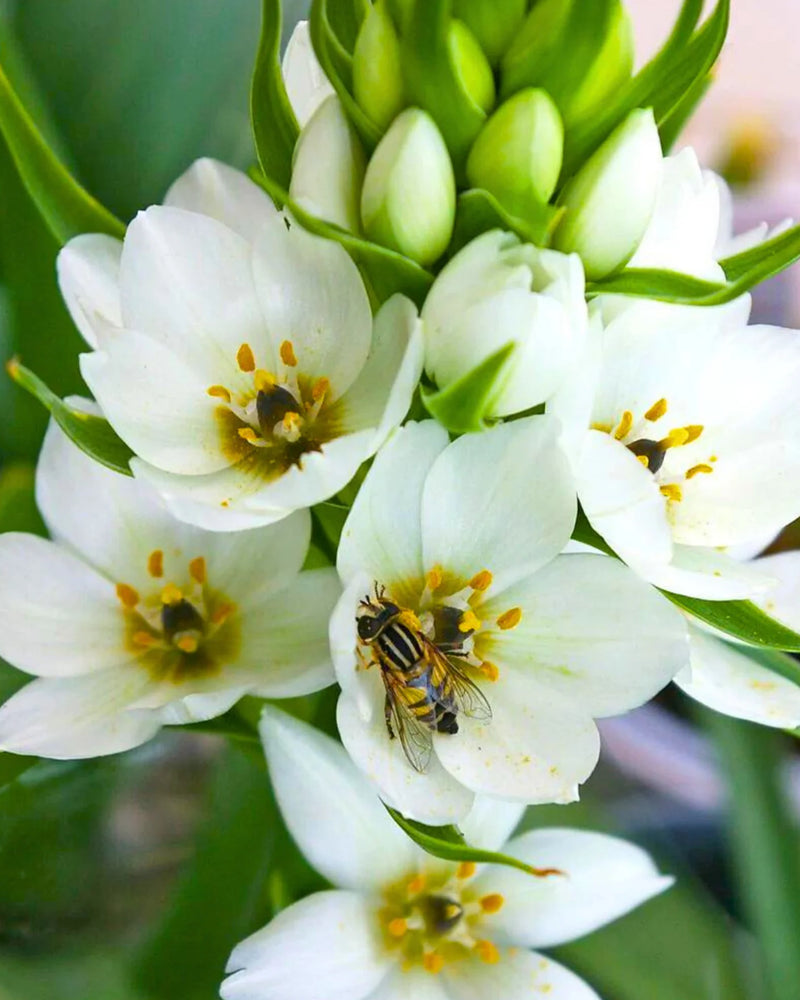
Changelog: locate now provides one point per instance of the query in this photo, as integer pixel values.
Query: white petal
(331, 810)
(708, 573)
(344, 641)
(197, 707)
(329, 938)
(604, 878)
(88, 275)
(76, 717)
(382, 535)
(306, 83)
(433, 797)
(503, 500)
(519, 975)
(212, 188)
(723, 677)
(58, 616)
(592, 631)
(410, 984)
(783, 600)
(491, 821)
(537, 747)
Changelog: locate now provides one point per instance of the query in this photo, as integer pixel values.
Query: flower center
(641, 438)
(179, 632)
(433, 920)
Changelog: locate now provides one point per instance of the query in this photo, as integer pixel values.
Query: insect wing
(453, 689)
(414, 736)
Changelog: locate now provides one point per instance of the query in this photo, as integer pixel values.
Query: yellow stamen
(656, 411)
(481, 581)
(644, 460)
(291, 421)
(128, 596)
(510, 619)
(171, 594)
(197, 569)
(434, 578)
(263, 381)
(245, 359)
(624, 425)
(672, 492)
(249, 435)
(432, 962)
(676, 437)
(489, 671)
(492, 903)
(416, 885)
(222, 613)
(397, 927)
(319, 389)
(693, 431)
(469, 622)
(466, 869)
(451, 911)
(697, 469)
(155, 563)
(144, 639)
(187, 644)
(220, 392)
(487, 952)
(287, 354)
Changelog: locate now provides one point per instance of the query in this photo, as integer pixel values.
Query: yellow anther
(510, 619)
(697, 469)
(287, 354)
(416, 885)
(291, 421)
(320, 388)
(489, 671)
(693, 432)
(481, 581)
(187, 644)
(127, 595)
(171, 594)
(434, 578)
(248, 434)
(644, 460)
(487, 952)
(432, 961)
(624, 426)
(144, 639)
(264, 381)
(220, 392)
(656, 411)
(466, 869)
(409, 618)
(672, 492)
(221, 613)
(676, 437)
(452, 910)
(469, 622)
(397, 927)
(155, 563)
(245, 359)
(197, 569)
(492, 903)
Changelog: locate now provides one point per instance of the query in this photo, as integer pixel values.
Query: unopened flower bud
(610, 200)
(377, 73)
(401, 12)
(517, 155)
(408, 201)
(493, 22)
(471, 65)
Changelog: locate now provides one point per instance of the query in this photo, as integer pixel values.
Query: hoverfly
(425, 690)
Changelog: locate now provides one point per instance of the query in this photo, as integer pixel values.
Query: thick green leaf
(275, 128)
(345, 17)
(446, 842)
(671, 129)
(91, 433)
(67, 208)
(478, 211)
(462, 407)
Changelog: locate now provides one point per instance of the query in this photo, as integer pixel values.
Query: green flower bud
(493, 22)
(377, 72)
(610, 200)
(471, 65)
(534, 43)
(517, 155)
(408, 201)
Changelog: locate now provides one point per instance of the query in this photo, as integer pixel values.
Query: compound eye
(367, 627)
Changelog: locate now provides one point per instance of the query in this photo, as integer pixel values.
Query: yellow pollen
(144, 639)
(624, 425)
(263, 381)
(197, 569)
(128, 596)
(287, 354)
(434, 577)
(713, 458)
(187, 644)
(672, 492)
(171, 594)
(416, 885)
(487, 952)
(432, 962)
(397, 927)
(481, 581)
(466, 869)
(155, 563)
(644, 460)
(489, 671)
(451, 911)
(697, 469)
(492, 903)
(694, 431)
(320, 388)
(221, 614)
(510, 619)
(677, 437)
(220, 392)
(656, 411)
(248, 434)
(469, 621)
(245, 359)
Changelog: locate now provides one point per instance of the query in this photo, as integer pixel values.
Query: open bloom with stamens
(132, 620)
(684, 435)
(399, 924)
(457, 545)
(236, 354)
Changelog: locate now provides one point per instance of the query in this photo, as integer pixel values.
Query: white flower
(305, 81)
(684, 435)
(463, 539)
(236, 353)
(132, 620)
(498, 291)
(399, 924)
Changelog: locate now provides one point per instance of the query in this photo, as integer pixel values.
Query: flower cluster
(492, 512)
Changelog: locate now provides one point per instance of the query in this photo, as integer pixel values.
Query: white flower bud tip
(377, 73)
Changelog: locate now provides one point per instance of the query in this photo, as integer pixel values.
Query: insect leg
(387, 714)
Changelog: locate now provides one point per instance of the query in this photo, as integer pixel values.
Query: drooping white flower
(462, 539)
(131, 620)
(399, 924)
(236, 353)
(499, 291)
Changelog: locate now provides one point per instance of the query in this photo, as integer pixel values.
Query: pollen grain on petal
(197, 569)
(245, 358)
(509, 619)
(155, 563)
(672, 492)
(624, 426)
(127, 595)
(656, 411)
(288, 357)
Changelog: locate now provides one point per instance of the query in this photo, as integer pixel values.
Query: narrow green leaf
(446, 842)
(275, 128)
(462, 407)
(67, 208)
(345, 17)
(91, 433)
(478, 211)
(762, 261)
(671, 129)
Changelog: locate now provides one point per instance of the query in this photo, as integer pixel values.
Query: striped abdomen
(426, 697)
